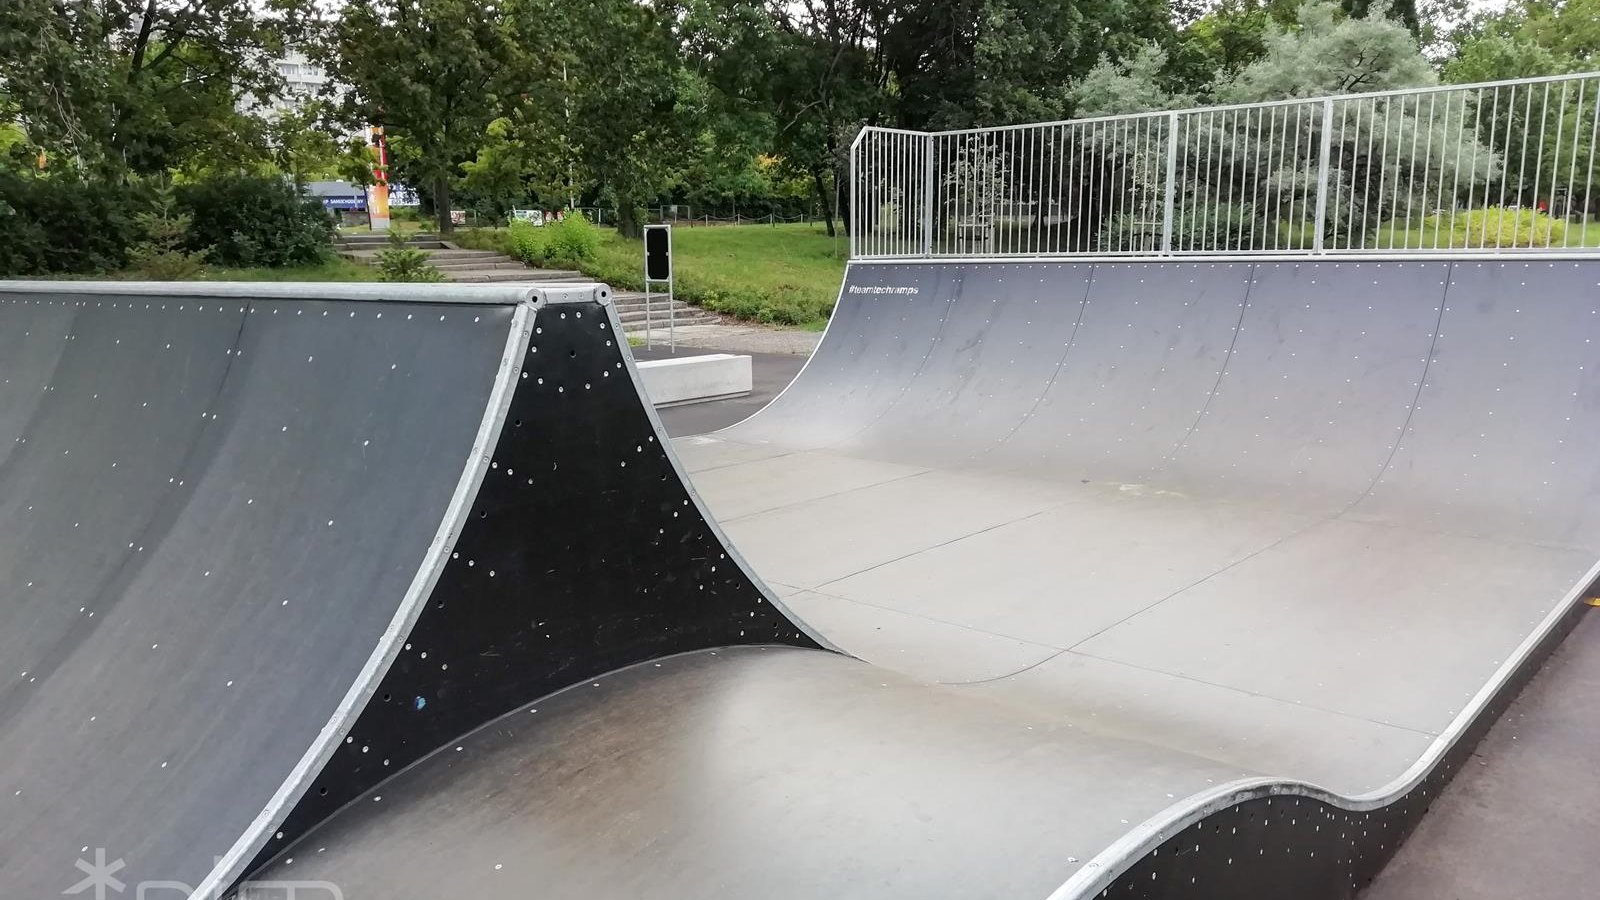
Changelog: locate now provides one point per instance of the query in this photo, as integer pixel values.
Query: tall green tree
(138, 86)
(434, 72)
(602, 104)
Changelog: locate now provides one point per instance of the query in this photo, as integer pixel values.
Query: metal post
(850, 221)
(1172, 183)
(649, 332)
(1322, 175)
(927, 197)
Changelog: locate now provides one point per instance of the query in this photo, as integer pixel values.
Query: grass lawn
(785, 274)
(334, 269)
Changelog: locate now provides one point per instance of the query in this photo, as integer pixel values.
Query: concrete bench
(692, 379)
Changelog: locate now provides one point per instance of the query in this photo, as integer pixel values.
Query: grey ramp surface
(747, 772)
(1237, 492)
(186, 600)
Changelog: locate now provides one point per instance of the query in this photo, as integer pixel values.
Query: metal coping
(498, 294)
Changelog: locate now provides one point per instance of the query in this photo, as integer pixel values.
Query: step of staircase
(381, 239)
(658, 317)
(487, 262)
(660, 327)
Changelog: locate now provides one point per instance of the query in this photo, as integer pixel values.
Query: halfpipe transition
(265, 545)
(1279, 558)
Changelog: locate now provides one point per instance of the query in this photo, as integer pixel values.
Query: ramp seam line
(1055, 374)
(1227, 359)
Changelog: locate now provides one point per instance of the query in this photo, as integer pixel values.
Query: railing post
(1322, 175)
(928, 217)
(1169, 203)
(852, 221)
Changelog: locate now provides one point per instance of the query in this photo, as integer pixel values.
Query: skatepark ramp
(1165, 514)
(264, 546)
(1182, 579)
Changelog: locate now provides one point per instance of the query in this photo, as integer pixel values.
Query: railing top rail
(1265, 104)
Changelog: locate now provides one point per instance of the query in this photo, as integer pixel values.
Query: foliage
(525, 242)
(161, 254)
(568, 243)
(1201, 226)
(1499, 226)
(604, 122)
(255, 221)
(397, 262)
(1328, 53)
(1132, 86)
(139, 86)
(435, 72)
(66, 225)
(572, 239)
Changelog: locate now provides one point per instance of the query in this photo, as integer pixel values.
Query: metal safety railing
(1506, 165)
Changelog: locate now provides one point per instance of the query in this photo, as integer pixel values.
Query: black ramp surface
(187, 598)
(583, 551)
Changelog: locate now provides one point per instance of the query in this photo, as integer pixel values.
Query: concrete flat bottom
(1521, 818)
(1253, 642)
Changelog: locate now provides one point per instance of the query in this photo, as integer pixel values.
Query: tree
(595, 118)
(431, 71)
(137, 86)
(1330, 53)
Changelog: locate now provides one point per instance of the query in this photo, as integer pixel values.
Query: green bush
(569, 243)
(397, 262)
(572, 241)
(255, 221)
(527, 243)
(1198, 226)
(161, 256)
(62, 224)
(1499, 226)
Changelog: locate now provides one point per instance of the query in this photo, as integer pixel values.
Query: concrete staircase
(477, 266)
(467, 266)
(631, 310)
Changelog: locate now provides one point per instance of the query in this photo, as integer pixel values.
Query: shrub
(255, 221)
(397, 262)
(527, 242)
(572, 240)
(1198, 226)
(161, 256)
(1499, 226)
(62, 224)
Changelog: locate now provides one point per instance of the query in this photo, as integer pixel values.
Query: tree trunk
(441, 204)
(627, 222)
(823, 198)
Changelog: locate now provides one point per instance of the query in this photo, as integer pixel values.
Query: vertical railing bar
(1411, 177)
(1438, 191)
(1455, 182)
(1555, 162)
(1170, 188)
(1522, 169)
(1472, 175)
(1216, 203)
(1588, 180)
(1383, 172)
(927, 195)
(1062, 185)
(1538, 165)
(1324, 155)
(1572, 166)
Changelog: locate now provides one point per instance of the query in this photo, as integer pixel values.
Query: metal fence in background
(1502, 166)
